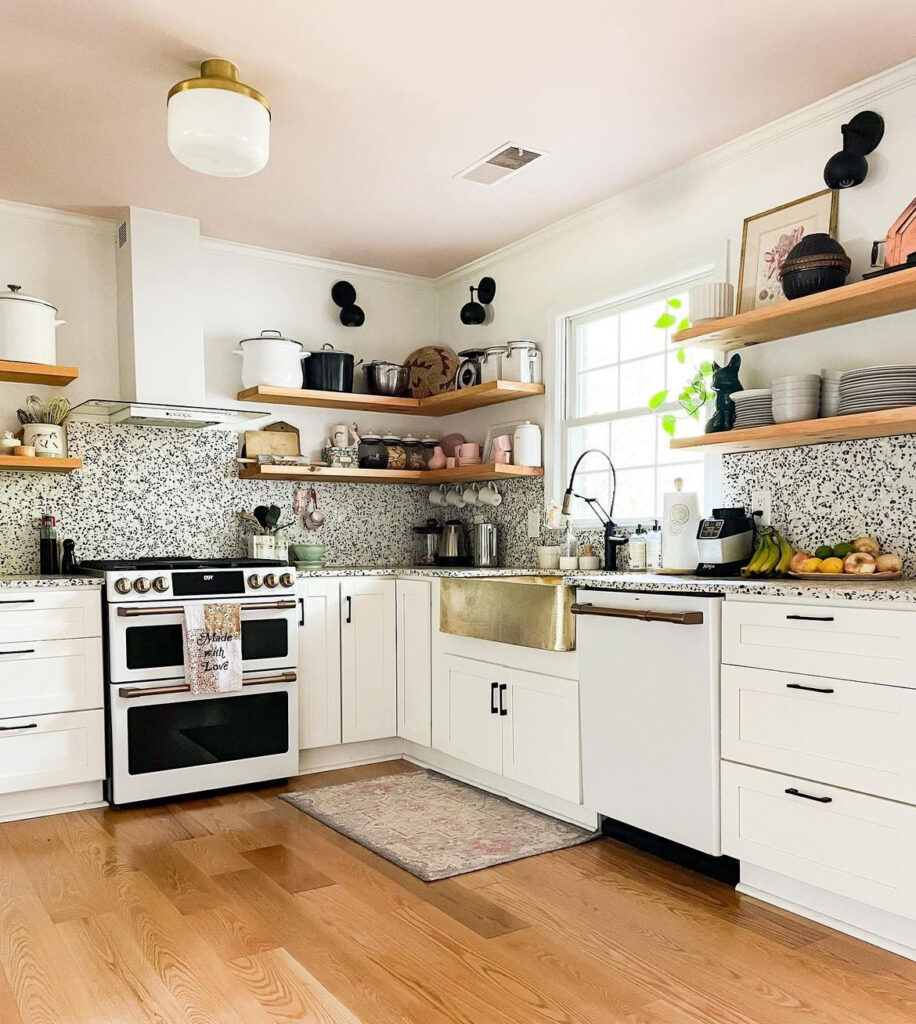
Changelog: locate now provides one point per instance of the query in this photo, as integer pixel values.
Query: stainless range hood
(160, 329)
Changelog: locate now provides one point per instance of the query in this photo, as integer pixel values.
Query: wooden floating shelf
(885, 423)
(864, 300)
(430, 477)
(37, 373)
(449, 402)
(36, 464)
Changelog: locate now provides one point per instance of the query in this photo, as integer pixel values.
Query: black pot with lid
(329, 369)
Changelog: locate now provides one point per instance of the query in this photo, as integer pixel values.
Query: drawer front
(51, 750)
(857, 846)
(857, 735)
(49, 614)
(46, 676)
(872, 645)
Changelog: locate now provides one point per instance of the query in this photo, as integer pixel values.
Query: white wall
(637, 238)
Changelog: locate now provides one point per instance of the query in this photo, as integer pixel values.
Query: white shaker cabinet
(368, 663)
(414, 660)
(319, 662)
(467, 722)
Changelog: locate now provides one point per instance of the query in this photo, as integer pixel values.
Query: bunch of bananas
(771, 556)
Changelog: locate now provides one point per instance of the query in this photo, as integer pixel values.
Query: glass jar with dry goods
(372, 454)
(415, 454)
(429, 447)
(397, 453)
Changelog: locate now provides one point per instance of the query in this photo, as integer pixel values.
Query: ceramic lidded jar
(372, 454)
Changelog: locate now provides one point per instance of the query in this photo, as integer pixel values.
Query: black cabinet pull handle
(25, 650)
(811, 618)
(349, 608)
(301, 611)
(21, 600)
(14, 728)
(792, 791)
(811, 689)
(502, 707)
(494, 710)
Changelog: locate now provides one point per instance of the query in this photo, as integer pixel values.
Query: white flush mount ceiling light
(218, 125)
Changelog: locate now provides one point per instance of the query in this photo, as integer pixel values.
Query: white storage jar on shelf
(526, 445)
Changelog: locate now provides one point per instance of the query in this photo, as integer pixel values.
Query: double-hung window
(616, 360)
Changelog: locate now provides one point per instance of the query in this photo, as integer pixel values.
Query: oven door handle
(133, 613)
(157, 691)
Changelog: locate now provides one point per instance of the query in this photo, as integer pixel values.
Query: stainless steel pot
(384, 378)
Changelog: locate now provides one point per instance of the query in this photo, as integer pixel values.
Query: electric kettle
(453, 545)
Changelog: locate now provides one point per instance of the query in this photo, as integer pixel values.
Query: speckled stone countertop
(26, 581)
(892, 591)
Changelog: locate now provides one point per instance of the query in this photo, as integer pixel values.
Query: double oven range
(163, 740)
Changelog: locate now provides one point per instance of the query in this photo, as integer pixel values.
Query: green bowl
(307, 553)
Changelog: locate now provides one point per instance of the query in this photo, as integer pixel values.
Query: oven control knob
(288, 579)
(270, 580)
(141, 585)
(160, 584)
(254, 581)
(122, 585)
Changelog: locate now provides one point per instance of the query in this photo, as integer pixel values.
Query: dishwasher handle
(642, 614)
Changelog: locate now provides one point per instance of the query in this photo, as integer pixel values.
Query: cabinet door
(368, 665)
(466, 711)
(541, 733)
(51, 750)
(319, 662)
(40, 677)
(414, 666)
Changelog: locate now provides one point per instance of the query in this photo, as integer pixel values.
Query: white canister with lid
(522, 363)
(526, 445)
(27, 328)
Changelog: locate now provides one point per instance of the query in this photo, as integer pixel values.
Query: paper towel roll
(680, 523)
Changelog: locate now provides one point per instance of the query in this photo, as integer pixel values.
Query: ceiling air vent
(500, 164)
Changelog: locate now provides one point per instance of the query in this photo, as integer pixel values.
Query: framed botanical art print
(768, 238)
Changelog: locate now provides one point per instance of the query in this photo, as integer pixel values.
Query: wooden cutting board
(272, 441)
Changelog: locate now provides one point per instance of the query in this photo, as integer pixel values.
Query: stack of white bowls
(797, 397)
(753, 408)
(830, 392)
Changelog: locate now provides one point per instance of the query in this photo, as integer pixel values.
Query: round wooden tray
(847, 577)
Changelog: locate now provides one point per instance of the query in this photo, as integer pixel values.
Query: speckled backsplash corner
(826, 493)
(163, 491)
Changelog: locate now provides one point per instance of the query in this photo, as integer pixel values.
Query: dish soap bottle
(654, 548)
(636, 550)
(569, 548)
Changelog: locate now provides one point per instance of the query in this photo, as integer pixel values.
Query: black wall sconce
(344, 295)
(860, 137)
(473, 313)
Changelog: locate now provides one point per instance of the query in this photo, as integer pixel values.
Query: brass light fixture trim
(217, 73)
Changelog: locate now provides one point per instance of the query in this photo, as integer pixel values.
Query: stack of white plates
(796, 398)
(877, 387)
(830, 392)
(753, 408)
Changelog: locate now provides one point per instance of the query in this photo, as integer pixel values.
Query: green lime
(824, 551)
(842, 550)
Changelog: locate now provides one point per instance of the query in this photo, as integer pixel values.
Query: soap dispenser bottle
(654, 548)
(636, 550)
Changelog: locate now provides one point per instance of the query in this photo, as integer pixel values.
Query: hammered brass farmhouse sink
(528, 611)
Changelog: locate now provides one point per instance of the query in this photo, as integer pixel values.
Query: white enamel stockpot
(27, 327)
(271, 359)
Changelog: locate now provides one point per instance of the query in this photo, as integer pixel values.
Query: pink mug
(503, 443)
(450, 462)
(470, 450)
(502, 458)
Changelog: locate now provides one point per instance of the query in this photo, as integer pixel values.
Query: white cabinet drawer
(49, 614)
(873, 645)
(51, 750)
(851, 734)
(41, 677)
(857, 846)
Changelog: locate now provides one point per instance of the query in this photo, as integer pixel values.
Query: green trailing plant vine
(696, 392)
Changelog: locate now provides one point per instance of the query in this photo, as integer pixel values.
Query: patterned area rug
(435, 827)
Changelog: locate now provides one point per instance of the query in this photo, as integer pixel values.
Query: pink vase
(437, 459)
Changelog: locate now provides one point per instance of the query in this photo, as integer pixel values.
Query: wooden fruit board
(847, 577)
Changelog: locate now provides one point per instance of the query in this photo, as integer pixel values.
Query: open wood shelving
(428, 477)
(449, 402)
(37, 373)
(864, 300)
(38, 464)
(885, 423)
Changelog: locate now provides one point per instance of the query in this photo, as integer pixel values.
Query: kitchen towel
(213, 647)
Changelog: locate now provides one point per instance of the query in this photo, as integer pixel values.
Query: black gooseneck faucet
(611, 540)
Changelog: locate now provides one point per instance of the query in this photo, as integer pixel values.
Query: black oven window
(189, 733)
(163, 646)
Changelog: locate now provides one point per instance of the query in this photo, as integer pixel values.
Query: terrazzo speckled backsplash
(160, 491)
(826, 493)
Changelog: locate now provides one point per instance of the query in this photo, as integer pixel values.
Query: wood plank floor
(239, 909)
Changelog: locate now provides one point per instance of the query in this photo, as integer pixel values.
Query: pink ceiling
(377, 103)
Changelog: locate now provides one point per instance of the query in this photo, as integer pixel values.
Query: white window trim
(712, 262)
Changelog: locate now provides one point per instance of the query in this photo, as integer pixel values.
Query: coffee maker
(725, 541)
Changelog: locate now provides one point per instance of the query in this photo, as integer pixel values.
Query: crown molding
(259, 254)
(838, 104)
(24, 211)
